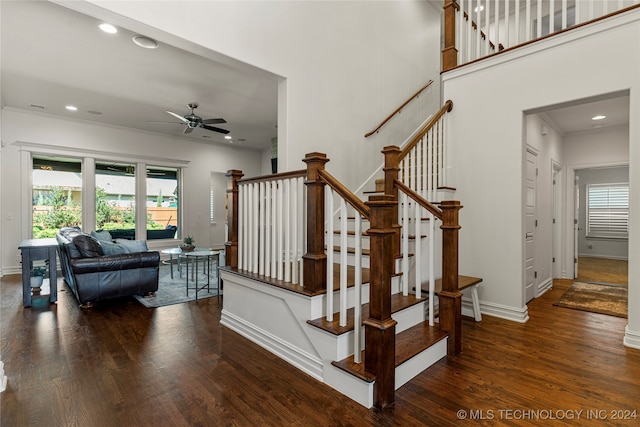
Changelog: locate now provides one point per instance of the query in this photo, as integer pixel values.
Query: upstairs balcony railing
(474, 29)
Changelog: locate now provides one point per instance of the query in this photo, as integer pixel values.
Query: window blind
(608, 210)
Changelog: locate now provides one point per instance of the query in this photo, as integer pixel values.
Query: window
(162, 202)
(608, 210)
(57, 195)
(116, 198)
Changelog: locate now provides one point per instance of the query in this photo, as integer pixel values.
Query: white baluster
(539, 22)
(478, 25)
(527, 22)
(577, 12)
(280, 264)
(261, 239)
(425, 166)
(241, 225)
(329, 245)
(343, 262)
(590, 10)
(302, 235)
(294, 231)
(487, 24)
(432, 281)
(287, 230)
(418, 248)
(274, 229)
(459, 30)
(268, 230)
(516, 22)
(551, 17)
(256, 228)
(506, 24)
(564, 14)
(405, 245)
(443, 166)
(496, 29)
(357, 296)
(429, 164)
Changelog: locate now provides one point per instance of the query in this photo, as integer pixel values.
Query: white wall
(345, 65)
(75, 137)
(487, 146)
(600, 147)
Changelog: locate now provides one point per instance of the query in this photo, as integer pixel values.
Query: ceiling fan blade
(215, 129)
(167, 123)
(187, 130)
(178, 116)
(214, 121)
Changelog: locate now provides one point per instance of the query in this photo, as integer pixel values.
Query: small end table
(35, 250)
(172, 252)
(206, 255)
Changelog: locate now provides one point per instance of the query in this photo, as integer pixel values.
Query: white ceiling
(577, 117)
(53, 56)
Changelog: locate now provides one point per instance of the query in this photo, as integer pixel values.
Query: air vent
(37, 106)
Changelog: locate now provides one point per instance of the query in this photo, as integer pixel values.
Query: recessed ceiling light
(227, 137)
(145, 42)
(71, 108)
(599, 117)
(108, 28)
(479, 8)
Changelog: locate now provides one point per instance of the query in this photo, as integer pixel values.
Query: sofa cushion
(88, 246)
(133, 246)
(111, 248)
(102, 236)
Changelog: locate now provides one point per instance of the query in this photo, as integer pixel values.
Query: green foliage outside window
(64, 212)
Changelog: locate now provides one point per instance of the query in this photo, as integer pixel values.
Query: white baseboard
(631, 338)
(544, 286)
(516, 314)
(300, 359)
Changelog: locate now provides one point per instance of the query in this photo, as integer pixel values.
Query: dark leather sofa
(93, 276)
(130, 233)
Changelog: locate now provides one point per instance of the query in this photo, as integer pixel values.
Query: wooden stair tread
(409, 343)
(398, 303)
(464, 282)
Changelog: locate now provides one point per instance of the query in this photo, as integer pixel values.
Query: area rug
(174, 291)
(596, 297)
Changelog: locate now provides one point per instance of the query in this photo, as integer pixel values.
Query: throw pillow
(133, 246)
(102, 236)
(110, 248)
(88, 246)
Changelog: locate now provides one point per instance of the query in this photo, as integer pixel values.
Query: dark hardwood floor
(121, 364)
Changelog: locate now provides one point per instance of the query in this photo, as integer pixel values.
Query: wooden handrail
(448, 106)
(345, 193)
(411, 98)
(274, 177)
(419, 199)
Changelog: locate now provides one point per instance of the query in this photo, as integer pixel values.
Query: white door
(576, 228)
(530, 224)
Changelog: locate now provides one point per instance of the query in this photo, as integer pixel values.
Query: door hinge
(535, 274)
(554, 220)
(575, 260)
(536, 171)
(553, 259)
(575, 221)
(536, 222)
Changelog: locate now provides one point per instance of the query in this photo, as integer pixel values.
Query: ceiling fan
(192, 121)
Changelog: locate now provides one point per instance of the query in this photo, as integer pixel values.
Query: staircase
(353, 283)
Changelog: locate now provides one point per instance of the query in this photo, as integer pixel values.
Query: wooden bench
(465, 282)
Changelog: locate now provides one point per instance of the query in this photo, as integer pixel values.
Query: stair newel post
(391, 171)
(380, 328)
(449, 52)
(315, 259)
(231, 245)
(450, 299)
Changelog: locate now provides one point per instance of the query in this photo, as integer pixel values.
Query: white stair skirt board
(631, 338)
(349, 385)
(418, 363)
